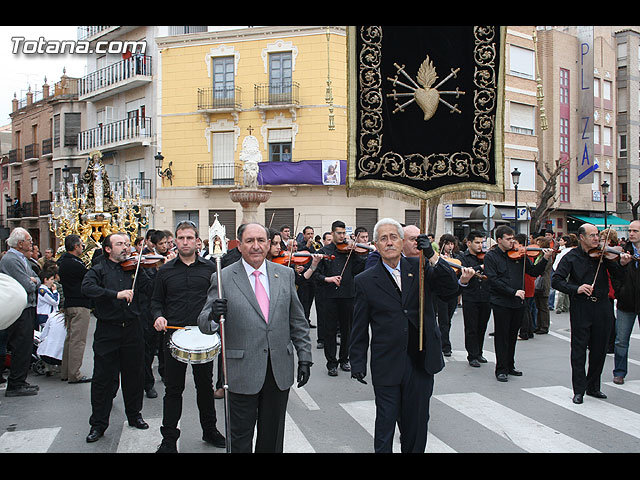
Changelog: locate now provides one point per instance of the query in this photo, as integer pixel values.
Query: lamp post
(605, 192)
(167, 172)
(515, 178)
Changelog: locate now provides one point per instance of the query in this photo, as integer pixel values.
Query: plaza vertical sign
(586, 161)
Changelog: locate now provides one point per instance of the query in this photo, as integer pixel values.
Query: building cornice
(245, 35)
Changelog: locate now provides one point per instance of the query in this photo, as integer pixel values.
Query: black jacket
(577, 268)
(180, 290)
(391, 318)
(102, 283)
(505, 276)
(72, 271)
(330, 268)
(477, 290)
(627, 286)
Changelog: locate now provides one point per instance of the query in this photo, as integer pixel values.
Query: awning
(612, 220)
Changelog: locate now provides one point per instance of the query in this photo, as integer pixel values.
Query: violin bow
(606, 242)
(293, 239)
(135, 277)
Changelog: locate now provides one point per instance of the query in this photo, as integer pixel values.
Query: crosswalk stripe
(364, 412)
(28, 441)
(304, 396)
(134, 440)
(626, 421)
(632, 386)
(294, 439)
(461, 356)
(526, 433)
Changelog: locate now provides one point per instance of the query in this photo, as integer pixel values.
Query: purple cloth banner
(310, 172)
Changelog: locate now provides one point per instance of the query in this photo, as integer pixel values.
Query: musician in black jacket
(585, 279)
(335, 278)
(475, 300)
(118, 341)
(506, 294)
(179, 293)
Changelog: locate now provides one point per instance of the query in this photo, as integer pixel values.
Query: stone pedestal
(250, 199)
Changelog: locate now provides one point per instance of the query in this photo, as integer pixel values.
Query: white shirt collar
(249, 269)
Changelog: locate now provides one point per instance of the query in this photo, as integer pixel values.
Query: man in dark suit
(402, 374)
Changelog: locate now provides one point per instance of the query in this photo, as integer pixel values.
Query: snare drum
(192, 346)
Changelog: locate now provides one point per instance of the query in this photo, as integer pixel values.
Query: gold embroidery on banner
(417, 166)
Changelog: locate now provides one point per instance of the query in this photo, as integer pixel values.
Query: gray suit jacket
(249, 339)
(14, 266)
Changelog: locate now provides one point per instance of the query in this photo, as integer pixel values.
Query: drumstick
(176, 328)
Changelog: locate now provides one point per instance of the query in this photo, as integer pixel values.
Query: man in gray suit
(264, 322)
(16, 264)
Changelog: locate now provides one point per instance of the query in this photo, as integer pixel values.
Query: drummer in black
(118, 341)
(179, 294)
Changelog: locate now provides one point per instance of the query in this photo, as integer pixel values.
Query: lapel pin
(276, 275)
(410, 274)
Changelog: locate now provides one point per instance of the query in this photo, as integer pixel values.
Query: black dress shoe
(138, 423)
(215, 438)
(333, 372)
(597, 394)
(481, 359)
(345, 366)
(502, 377)
(167, 446)
(94, 434)
(474, 363)
(515, 373)
(577, 398)
(151, 393)
(83, 379)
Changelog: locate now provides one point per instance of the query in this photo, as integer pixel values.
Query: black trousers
(406, 404)
(267, 409)
(306, 292)
(174, 382)
(117, 351)
(507, 322)
(445, 310)
(321, 313)
(339, 311)
(476, 319)
(590, 329)
(152, 347)
(20, 343)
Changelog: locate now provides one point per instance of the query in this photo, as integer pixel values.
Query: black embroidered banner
(426, 109)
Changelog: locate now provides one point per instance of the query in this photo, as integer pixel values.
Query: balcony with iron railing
(135, 186)
(88, 31)
(47, 147)
(278, 95)
(15, 156)
(218, 174)
(118, 77)
(116, 135)
(31, 152)
(216, 99)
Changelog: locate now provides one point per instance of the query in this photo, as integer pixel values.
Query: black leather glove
(304, 372)
(218, 309)
(424, 244)
(358, 376)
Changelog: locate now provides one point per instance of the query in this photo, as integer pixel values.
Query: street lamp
(605, 191)
(167, 172)
(515, 178)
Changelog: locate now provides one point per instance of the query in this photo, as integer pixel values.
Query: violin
(610, 253)
(359, 248)
(147, 261)
(519, 252)
(456, 265)
(298, 258)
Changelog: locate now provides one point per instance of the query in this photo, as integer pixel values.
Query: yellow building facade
(287, 87)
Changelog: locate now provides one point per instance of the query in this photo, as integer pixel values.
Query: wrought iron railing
(116, 72)
(277, 93)
(109, 133)
(215, 97)
(218, 174)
